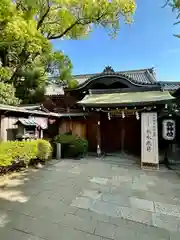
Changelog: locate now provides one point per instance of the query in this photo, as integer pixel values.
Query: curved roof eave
(130, 80)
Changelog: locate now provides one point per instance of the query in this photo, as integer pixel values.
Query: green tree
(7, 94)
(28, 26)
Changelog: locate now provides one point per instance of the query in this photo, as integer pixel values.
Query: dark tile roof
(142, 76)
(170, 86)
(145, 77)
(139, 76)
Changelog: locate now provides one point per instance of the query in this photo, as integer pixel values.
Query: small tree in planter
(72, 146)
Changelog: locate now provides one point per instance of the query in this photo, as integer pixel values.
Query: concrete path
(90, 199)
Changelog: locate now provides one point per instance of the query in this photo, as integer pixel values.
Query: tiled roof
(27, 121)
(170, 86)
(42, 122)
(139, 76)
(145, 77)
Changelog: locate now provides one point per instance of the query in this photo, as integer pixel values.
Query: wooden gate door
(110, 134)
(121, 135)
(132, 139)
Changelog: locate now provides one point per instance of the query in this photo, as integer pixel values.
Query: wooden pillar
(41, 133)
(122, 135)
(98, 136)
(3, 132)
(149, 140)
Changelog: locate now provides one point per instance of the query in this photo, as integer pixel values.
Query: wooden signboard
(149, 140)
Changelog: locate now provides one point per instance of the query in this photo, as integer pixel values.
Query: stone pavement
(90, 199)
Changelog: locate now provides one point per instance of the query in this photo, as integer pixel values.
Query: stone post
(58, 151)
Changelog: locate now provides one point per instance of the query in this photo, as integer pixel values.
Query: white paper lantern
(169, 129)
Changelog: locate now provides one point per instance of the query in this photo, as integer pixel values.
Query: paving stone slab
(120, 179)
(4, 218)
(11, 234)
(168, 209)
(143, 229)
(98, 187)
(36, 227)
(156, 197)
(162, 190)
(51, 212)
(174, 235)
(124, 190)
(167, 222)
(50, 231)
(149, 237)
(99, 180)
(105, 208)
(79, 223)
(142, 204)
(136, 215)
(91, 194)
(83, 213)
(50, 194)
(116, 199)
(90, 215)
(139, 194)
(125, 233)
(139, 186)
(105, 230)
(83, 202)
(78, 235)
(140, 228)
(75, 170)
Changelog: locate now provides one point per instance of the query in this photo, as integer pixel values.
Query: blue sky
(148, 42)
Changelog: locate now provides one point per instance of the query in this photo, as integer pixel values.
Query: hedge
(12, 152)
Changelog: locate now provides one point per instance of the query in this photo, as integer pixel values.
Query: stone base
(149, 166)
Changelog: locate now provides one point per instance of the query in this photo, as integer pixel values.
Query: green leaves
(28, 26)
(7, 94)
(74, 18)
(175, 6)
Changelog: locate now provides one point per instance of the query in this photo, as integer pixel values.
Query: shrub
(81, 145)
(44, 150)
(72, 145)
(5, 160)
(19, 151)
(65, 138)
(12, 152)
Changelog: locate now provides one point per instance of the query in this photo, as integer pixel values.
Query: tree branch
(65, 31)
(166, 3)
(43, 16)
(77, 22)
(176, 23)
